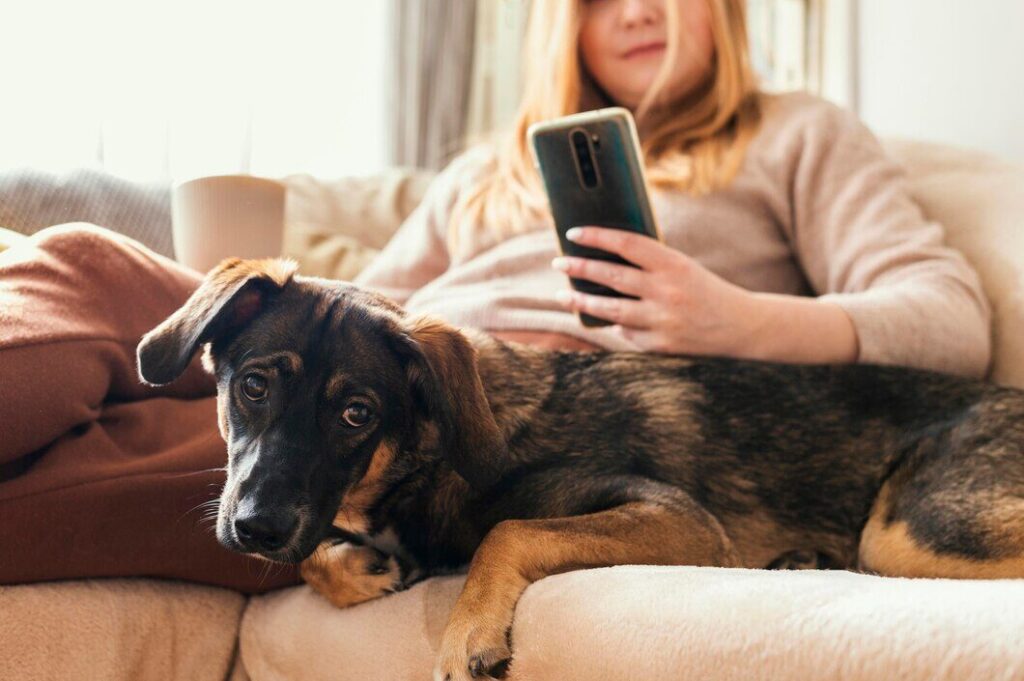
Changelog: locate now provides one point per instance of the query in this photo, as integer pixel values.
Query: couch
(621, 622)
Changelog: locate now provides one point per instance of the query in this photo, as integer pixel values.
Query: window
(163, 91)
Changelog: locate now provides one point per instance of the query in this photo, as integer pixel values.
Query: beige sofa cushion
(333, 228)
(118, 630)
(644, 622)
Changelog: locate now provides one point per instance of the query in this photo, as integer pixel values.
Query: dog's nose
(266, 532)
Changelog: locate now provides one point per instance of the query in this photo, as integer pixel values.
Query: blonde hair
(695, 146)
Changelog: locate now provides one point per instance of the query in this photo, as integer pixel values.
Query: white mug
(226, 216)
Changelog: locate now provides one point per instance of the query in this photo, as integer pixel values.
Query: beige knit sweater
(816, 209)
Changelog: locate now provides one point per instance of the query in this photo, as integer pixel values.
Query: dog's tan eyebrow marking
(290, 361)
(334, 386)
(337, 383)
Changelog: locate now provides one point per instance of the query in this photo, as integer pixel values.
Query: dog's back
(787, 457)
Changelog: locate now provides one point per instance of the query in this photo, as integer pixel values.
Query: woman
(788, 236)
(762, 202)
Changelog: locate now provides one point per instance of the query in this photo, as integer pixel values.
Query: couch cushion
(640, 621)
(334, 227)
(118, 630)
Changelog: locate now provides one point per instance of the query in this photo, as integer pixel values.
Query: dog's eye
(254, 387)
(357, 414)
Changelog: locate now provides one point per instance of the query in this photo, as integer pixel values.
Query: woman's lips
(644, 50)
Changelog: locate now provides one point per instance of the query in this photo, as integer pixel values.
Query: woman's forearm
(800, 330)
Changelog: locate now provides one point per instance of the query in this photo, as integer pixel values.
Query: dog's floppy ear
(231, 295)
(443, 375)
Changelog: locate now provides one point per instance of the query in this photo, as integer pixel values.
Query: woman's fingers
(624, 311)
(622, 278)
(641, 250)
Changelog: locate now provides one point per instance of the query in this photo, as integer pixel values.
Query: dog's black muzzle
(267, 516)
(265, 531)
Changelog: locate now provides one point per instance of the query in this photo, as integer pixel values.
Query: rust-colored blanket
(101, 475)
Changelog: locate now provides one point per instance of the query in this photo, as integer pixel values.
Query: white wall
(944, 70)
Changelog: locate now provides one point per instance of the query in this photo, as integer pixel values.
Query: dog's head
(321, 386)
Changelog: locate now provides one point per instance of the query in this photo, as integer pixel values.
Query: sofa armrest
(334, 227)
(31, 199)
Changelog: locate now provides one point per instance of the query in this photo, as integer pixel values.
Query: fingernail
(574, 234)
(564, 297)
(560, 264)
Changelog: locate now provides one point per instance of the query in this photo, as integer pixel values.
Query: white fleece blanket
(634, 622)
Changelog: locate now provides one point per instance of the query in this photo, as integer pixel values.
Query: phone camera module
(581, 145)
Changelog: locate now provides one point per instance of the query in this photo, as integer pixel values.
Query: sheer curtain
(432, 43)
(496, 84)
(169, 90)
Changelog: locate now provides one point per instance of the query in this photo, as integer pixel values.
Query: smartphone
(592, 171)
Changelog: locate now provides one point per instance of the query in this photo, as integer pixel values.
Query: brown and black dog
(380, 448)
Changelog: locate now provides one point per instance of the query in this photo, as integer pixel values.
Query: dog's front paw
(346, 574)
(474, 647)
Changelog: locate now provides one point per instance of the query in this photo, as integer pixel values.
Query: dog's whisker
(205, 506)
(267, 571)
(204, 471)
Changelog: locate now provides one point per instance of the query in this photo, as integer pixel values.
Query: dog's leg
(928, 539)
(346, 573)
(516, 553)
(956, 508)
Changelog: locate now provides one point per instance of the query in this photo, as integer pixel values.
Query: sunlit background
(170, 90)
(161, 91)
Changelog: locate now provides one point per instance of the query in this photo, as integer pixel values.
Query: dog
(377, 448)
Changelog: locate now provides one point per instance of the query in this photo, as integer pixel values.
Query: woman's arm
(684, 308)
(865, 245)
(801, 329)
(892, 291)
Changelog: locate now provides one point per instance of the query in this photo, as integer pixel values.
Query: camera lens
(581, 146)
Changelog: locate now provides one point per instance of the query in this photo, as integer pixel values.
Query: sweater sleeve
(418, 252)
(865, 245)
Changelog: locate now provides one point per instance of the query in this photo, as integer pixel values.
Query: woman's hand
(684, 308)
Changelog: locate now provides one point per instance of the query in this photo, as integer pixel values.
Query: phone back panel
(619, 200)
